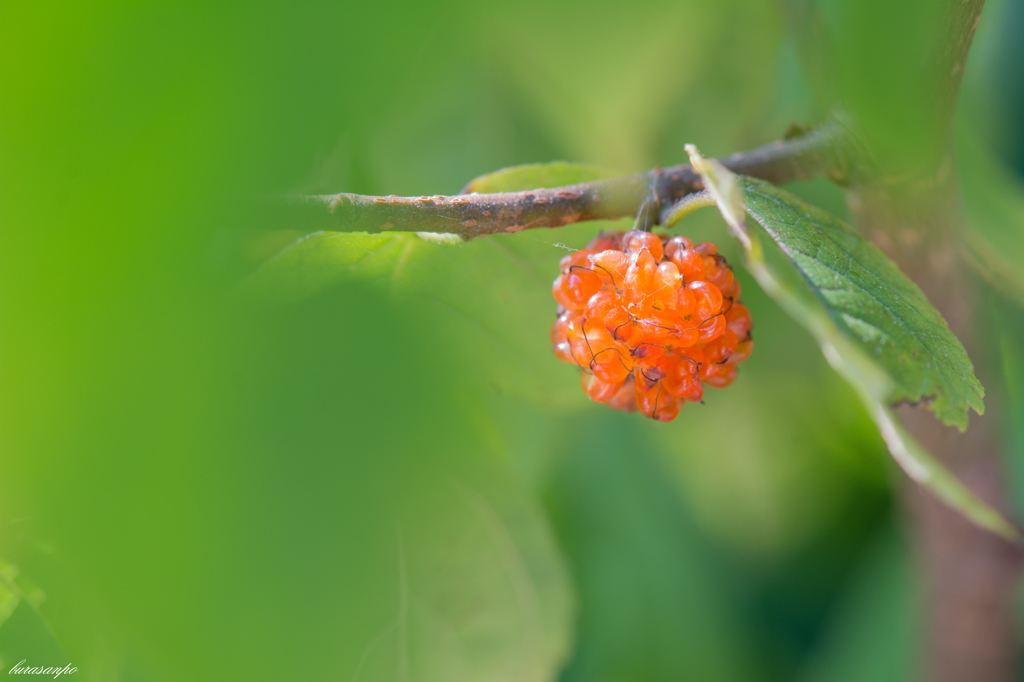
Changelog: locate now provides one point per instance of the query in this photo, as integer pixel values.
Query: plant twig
(818, 152)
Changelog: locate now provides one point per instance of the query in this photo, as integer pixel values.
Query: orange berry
(562, 329)
(627, 334)
(726, 376)
(604, 307)
(686, 301)
(574, 259)
(707, 370)
(697, 394)
(719, 350)
(635, 241)
(615, 370)
(647, 354)
(579, 352)
(719, 274)
(606, 241)
(558, 291)
(742, 352)
(597, 342)
(560, 343)
(668, 408)
(640, 283)
(667, 281)
(579, 285)
(655, 402)
(712, 329)
(625, 398)
(696, 354)
(650, 320)
(709, 300)
(677, 330)
(597, 390)
(690, 264)
(679, 381)
(738, 319)
(614, 264)
(677, 244)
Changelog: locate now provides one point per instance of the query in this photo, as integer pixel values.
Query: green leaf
(420, 549)
(535, 176)
(24, 634)
(872, 304)
(491, 297)
(876, 631)
(874, 326)
(483, 593)
(658, 605)
(322, 259)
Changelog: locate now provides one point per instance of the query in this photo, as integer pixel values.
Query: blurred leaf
(875, 633)
(885, 63)
(994, 203)
(421, 555)
(321, 259)
(535, 176)
(615, 95)
(23, 632)
(492, 296)
(483, 594)
(656, 605)
(852, 298)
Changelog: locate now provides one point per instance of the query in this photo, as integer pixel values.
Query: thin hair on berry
(617, 351)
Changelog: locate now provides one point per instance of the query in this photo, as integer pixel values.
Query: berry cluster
(649, 319)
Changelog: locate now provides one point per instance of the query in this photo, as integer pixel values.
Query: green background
(395, 479)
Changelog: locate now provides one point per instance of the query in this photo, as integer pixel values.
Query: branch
(812, 154)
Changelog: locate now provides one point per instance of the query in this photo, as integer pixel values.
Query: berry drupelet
(651, 320)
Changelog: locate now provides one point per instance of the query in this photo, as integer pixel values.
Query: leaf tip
(727, 191)
(696, 159)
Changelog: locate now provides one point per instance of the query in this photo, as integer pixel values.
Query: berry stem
(685, 206)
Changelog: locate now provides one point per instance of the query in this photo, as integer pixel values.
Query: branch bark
(819, 152)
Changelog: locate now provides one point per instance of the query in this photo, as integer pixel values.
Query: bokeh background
(395, 479)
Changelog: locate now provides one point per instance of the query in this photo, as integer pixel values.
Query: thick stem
(971, 574)
(473, 215)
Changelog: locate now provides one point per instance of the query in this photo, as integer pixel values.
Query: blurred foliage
(361, 485)
(534, 176)
(994, 204)
(25, 634)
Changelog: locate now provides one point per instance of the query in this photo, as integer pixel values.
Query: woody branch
(815, 153)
